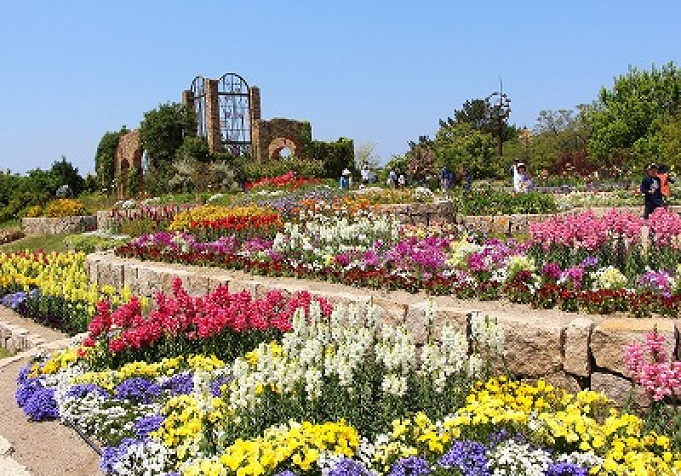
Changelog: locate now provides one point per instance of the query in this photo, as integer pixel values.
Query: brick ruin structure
(228, 111)
(229, 117)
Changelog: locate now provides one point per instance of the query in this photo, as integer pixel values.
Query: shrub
(64, 208)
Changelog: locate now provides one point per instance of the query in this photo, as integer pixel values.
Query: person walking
(650, 188)
(665, 180)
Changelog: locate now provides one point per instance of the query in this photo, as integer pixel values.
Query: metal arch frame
(235, 113)
(198, 89)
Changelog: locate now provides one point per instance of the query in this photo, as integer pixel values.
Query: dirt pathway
(43, 448)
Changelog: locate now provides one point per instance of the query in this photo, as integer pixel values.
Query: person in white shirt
(521, 181)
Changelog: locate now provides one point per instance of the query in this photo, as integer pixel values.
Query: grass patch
(13, 223)
(5, 353)
(47, 243)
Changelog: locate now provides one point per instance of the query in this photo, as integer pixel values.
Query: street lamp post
(498, 110)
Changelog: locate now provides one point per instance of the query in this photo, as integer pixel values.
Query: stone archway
(282, 144)
(128, 155)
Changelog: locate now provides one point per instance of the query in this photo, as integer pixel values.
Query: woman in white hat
(521, 181)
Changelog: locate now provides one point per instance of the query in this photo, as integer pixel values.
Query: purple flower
(551, 271)
(349, 467)
(469, 457)
(23, 375)
(566, 469)
(215, 385)
(41, 405)
(111, 454)
(146, 425)
(81, 390)
(590, 262)
(137, 389)
(14, 301)
(287, 472)
(180, 384)
(412, 466)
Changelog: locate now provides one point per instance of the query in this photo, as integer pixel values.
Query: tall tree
(628, 116)
(162, 131)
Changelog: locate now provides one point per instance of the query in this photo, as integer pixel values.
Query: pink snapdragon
(665, 227)
(651, 368)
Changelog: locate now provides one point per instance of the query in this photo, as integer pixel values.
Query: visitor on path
(665, 180)
(521, 181)
(444, 182)
(366, 174)
(402, 181)
(345, 180)
(650, 188)
(392, 178)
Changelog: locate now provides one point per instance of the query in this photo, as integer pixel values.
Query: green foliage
(628, 117)
(193, 148)
(495, 202)
(91, 243)
(422, 159)
(47, 243)
(335, 156)
(163, 130)
(461, 146)
(252, 171)
(104, 157)
(560, 141)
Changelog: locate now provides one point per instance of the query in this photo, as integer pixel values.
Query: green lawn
(4, 353)
(33, 243)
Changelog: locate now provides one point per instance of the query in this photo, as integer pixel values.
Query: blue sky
(377, 71)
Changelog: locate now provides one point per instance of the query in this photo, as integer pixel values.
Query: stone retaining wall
(57, 226)
(17, 339)
(574, 351)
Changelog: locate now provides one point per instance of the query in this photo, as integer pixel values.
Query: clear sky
(376, 71)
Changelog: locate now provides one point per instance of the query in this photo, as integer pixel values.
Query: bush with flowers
(64, 207)
(287, 181)
(341, 395)
(578, 262)
(54, 289)
(209, 222)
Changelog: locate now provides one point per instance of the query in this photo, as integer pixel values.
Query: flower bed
(342, 394)
(582, 262)
(53, 289)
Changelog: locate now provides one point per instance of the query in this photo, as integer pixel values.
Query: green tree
(422, 161)
(63, 172)
(628, 118)
(559, 141)
(104, 157)
(460, 146)
(163, 130)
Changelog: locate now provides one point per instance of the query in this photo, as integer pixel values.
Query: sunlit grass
(47, 243)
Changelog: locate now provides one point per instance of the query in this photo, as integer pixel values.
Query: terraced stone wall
(574, 351)
(57, 226)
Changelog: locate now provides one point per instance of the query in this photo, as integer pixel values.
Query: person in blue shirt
(650, 188)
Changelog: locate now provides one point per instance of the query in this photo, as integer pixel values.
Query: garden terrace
(58, 226)
(571, 350)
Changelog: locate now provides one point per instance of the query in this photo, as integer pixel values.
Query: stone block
(617, 388)
(131, 277)
(198, 284)
(533, 347)
(391, 312)
(455, 317)
(577, 340)
(238, 285)
(416, 322)
(559, 380)
(216, 280)
(611, 337)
